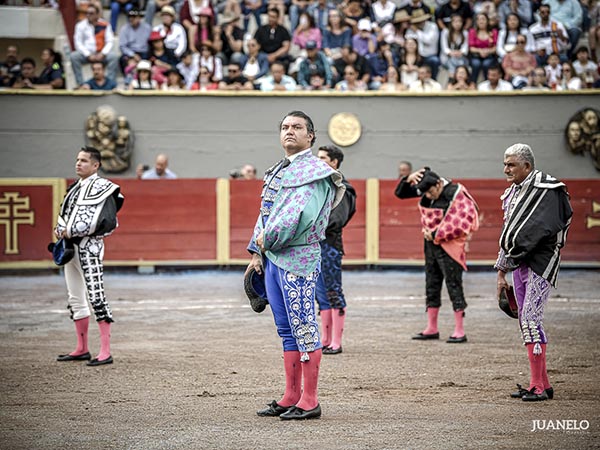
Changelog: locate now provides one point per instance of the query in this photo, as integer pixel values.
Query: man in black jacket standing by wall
(330, 296)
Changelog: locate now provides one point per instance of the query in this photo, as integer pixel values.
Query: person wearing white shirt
(278, 80)
(173, 34)
(425, 83)
(507, 37)
(189, 68)
(91, 33)
(383, 11)
(549, 36)
(585, 68)
(570, 14)
(494, 83)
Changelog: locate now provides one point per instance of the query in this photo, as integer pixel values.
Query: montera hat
(419, 15)
(508, 303)
(254, 286)
(428, 180)
(62, 251)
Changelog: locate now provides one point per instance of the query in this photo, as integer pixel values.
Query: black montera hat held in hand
(429, 179)
(254, 286)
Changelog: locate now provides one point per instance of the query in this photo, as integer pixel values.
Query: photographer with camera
(159, 172)
(247, 172)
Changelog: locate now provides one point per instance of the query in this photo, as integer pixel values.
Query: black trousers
(439, 266)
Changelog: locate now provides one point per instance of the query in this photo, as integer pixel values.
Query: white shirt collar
(295, 155)
(88, 179)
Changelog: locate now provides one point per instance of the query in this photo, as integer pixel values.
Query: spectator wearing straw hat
(427, 36)
(157, 5)
(232, 38)
(173, 33)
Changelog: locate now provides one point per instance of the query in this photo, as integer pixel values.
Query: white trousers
(85, 284)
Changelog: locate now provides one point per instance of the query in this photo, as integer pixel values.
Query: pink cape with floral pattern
(452, 229)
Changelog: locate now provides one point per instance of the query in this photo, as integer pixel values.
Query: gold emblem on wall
(344, 129)
(14, 211)
(112, 136)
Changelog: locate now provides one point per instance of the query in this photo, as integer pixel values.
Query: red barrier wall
(174, 221)
(400, 229)
(165, 220)
(244, 204)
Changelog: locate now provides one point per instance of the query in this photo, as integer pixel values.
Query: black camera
(235, 173)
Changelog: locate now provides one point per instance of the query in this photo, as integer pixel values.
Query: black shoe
(95, 362)
(273, 410)
(457, 340)
(295, 413)
(520, 393)
(67, 357)
(423, 337)
(332, 351)
(531, 396)
(550, 393)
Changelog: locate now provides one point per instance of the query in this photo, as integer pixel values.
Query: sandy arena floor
(193, 363)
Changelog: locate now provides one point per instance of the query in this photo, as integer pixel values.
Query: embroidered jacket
(89, 209)
(297, 198)
(537, 215)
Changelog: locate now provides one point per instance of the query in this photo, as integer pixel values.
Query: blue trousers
(292, 301)
(329, 284)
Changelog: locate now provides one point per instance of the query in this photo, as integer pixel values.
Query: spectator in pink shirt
(482, 46)
(306, 31)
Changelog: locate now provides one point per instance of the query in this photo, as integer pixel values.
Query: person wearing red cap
(162, 58)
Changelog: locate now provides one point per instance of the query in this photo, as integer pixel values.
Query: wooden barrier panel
(243, 209)
(175, 222)
(165, 220)
(355, 231)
